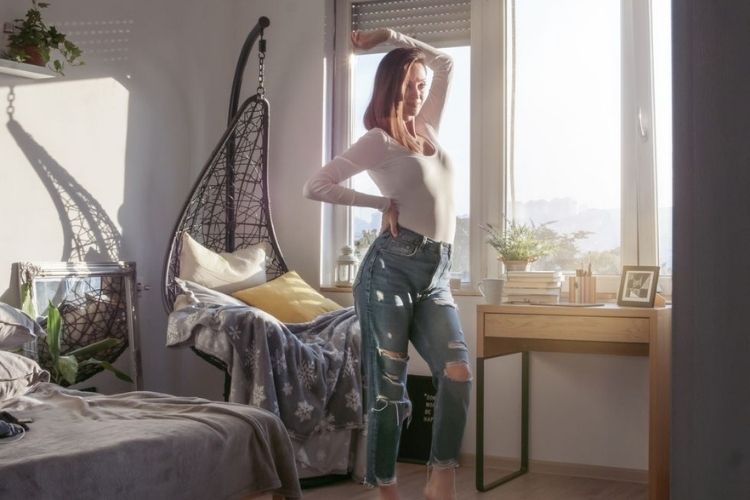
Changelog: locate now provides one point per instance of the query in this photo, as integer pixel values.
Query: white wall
(295, 69)
(131, 128)
(136, 143)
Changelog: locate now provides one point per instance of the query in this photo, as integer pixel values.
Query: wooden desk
(610, 329)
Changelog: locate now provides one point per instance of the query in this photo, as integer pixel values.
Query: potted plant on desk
(33, 42)
(518, 244)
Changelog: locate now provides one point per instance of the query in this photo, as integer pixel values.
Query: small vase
(517, 265)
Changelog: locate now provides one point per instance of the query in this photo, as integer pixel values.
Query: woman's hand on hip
(365, 40)
(390, 220)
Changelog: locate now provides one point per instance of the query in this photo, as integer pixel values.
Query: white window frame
(490, 136)
(337, 219)
(639, 208)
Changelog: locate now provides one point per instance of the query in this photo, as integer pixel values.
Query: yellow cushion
(288, 298)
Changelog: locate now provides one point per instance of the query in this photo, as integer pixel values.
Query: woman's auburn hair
(386, 107)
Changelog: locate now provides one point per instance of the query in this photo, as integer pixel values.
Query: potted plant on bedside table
(33, 42)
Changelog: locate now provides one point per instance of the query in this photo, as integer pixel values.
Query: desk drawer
(541, 326)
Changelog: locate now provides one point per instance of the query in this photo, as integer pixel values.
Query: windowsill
(466, 291)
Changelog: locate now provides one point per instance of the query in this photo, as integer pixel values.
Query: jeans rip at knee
(392, 373)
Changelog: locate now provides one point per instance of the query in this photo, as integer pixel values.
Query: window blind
(440, 23)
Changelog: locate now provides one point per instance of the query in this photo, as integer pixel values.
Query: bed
(63, 443)
(142, 445)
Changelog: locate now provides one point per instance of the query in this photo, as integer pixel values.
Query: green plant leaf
(27, 304)
(89, 350)
(54, 331)
(68, 366)
(108, 366)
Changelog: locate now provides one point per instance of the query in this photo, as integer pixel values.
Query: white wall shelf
(24, 70)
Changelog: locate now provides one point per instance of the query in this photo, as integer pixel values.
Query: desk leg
(524, 426)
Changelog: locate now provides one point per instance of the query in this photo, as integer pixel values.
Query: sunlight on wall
(63, 146)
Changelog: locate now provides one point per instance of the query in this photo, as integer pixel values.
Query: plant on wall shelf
(34, 42)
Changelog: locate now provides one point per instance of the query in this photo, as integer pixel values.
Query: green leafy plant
(527, 242)
(64, 369)
(34, 41)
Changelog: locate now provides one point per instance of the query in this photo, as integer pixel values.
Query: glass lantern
(346, 267)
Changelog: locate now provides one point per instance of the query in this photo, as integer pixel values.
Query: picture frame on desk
(638, 286)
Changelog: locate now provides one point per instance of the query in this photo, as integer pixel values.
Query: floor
(531, 486)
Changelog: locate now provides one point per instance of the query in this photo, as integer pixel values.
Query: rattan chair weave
(228, 209)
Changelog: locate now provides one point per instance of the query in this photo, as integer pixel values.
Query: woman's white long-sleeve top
(421, 185)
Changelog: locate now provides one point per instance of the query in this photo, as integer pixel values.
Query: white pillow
(225, 272)
(16, 328)
(18, 373)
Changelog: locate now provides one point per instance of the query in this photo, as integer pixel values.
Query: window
(580, 143)
(445, 26)
(570, 123)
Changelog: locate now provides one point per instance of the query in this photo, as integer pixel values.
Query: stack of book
(539, 287)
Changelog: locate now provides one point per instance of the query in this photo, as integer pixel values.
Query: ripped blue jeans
(402, 294)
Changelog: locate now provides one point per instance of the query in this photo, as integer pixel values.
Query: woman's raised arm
(441, 65)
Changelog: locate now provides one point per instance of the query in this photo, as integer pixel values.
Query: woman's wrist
(385, 205)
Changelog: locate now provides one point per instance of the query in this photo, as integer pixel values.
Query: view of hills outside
(601, 248)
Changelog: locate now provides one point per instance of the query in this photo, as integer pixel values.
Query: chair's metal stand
(524, 425)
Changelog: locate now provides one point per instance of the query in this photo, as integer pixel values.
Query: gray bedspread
(143, 445)
(307, 373)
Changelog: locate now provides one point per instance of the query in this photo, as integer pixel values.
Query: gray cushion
(16, 328)
(206, 295)
(17, 374)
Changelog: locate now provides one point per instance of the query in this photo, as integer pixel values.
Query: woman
(401, 292)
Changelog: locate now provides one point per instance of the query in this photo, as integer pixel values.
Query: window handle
(643, 128)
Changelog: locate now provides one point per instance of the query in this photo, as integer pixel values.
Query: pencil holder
(572, 287)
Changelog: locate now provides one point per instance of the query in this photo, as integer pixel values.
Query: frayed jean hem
(379, 482)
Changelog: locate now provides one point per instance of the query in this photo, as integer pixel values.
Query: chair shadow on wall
(89, 235)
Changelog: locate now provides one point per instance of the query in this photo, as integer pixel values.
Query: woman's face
(415, 90)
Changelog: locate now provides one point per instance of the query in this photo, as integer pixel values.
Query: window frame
(337, 218)
(489, 156)
(639, 207)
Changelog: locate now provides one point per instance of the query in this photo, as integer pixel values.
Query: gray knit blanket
(306, 373)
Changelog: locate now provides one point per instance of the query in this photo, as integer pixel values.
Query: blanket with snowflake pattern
(306, 373)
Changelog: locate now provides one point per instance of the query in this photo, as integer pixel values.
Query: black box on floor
(416, 438)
